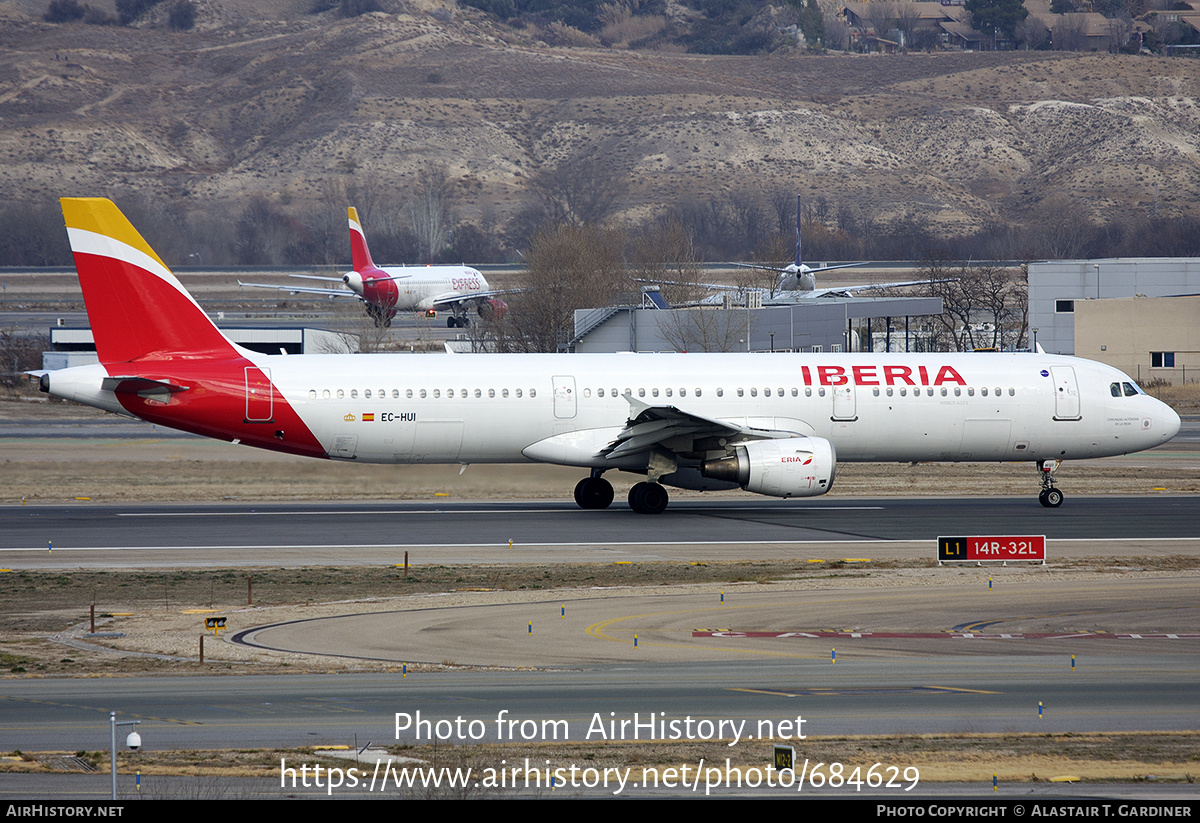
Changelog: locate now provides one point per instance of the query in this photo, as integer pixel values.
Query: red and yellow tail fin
(136, 306)
(359, 253)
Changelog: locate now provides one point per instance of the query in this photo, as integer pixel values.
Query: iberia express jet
(389, 290)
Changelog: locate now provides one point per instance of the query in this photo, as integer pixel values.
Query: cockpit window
(1130, 389)
(1115, 388)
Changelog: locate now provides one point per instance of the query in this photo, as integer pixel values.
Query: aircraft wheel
(1042, 498)
(648, 498)
(1054, 498)
(593, 493)
(451, 322)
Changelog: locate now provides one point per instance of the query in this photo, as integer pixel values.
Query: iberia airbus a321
(771, 424)
(392, 289)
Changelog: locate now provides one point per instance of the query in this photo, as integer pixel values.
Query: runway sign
(995, 548)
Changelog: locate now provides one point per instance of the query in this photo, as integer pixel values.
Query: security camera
(134, 741)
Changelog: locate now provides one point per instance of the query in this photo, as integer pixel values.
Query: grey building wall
(802, 326)
(1054, 285)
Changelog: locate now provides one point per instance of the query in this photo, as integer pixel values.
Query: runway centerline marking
(353, 513)
(561, 545)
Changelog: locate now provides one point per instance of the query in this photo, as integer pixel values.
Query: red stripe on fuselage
(214, 405)
(379, 288)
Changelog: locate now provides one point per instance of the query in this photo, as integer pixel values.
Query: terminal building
(824, 324)
(1139, 314)
(76, 347)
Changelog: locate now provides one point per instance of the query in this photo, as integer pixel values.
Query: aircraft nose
(1171, 423)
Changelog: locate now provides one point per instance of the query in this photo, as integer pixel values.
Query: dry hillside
(297, 107)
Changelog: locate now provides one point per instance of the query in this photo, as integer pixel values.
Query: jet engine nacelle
(791, 467)
(493, 309)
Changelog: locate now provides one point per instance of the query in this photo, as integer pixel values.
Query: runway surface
(920, 695)
(463, 532)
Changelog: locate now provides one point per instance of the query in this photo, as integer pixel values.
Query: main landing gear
(648, 498)
(593, 493)
(597, 493)
(454, 321)
(1050, 496)
(381, 316)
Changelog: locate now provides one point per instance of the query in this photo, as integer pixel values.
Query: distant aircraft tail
(799, 256)
(360, 254)
(136, 306)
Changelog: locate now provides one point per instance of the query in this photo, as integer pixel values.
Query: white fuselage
(421, 288)
(566, 408)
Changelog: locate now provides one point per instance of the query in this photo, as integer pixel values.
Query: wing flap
(649, 427)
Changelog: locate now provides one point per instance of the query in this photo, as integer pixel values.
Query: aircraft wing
(812, 270)
(317, 277)
(452, 298)
(343, 279)
(649, 427)
(302, 289)
(847, 291)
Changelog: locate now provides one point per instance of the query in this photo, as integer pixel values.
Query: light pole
(1096, 266)
(134, 741)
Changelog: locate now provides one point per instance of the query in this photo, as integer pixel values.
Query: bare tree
(1120, 29)
(1059, 230)
(429, 211)
(663, 253)
(705, 329)
(908, 18)
(568, 267)
(882, 16)
(354, 329)
(983, 306)
(582, 189)
(837, 37)
(1070, 33)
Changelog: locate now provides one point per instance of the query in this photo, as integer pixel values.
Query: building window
(1162, 359)
(1064, 306)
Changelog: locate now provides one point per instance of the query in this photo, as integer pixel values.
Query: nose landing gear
(1050, 496)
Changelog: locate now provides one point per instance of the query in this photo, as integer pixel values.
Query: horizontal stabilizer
(159, 390)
